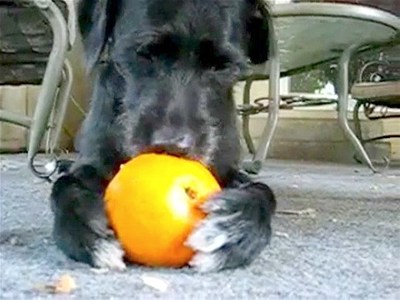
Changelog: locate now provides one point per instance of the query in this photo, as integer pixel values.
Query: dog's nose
(174, 145)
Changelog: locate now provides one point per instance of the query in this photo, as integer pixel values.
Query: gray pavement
(344, 245)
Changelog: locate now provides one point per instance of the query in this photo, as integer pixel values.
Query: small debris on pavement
(14, 241)
(374, 187)
(11, 239)
(64, 285)
(8, 165)
(155, 282)
(303, 212)
(99, 271)
(281, 234)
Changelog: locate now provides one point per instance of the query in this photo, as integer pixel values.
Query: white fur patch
(207, 238)
(108, 255)
(207, 262)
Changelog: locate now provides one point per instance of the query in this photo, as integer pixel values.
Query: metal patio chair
(377, 91)
(34, 38)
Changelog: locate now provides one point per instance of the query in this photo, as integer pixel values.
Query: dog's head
(178, 61)
(239, 21)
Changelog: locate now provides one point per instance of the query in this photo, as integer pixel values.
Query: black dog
(164, 72)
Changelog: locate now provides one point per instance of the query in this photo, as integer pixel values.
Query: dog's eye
(166, 47)
(211, 58)
(144, 53)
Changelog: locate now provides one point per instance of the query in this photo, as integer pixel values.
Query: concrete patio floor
(337, 236)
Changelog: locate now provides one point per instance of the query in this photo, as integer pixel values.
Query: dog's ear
(96, 20)
(256, 27)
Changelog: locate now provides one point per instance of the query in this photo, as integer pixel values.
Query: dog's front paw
(80, 225)
(215, 241)
(236, 229)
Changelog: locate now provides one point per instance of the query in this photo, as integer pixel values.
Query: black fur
(163, 77)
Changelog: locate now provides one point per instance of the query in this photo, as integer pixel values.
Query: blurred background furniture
(377, 92)
(34, 38)
(304, 36)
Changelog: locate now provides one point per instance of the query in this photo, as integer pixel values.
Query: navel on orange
(153, 204)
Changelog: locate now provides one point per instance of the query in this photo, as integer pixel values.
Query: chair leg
(60, 108)
(50, 83)
(246, 117)
(343, 97)
(273, 114)
(357, 127)
(356, 120)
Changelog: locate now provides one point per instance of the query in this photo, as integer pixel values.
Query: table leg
(273, 113)
(343, 99)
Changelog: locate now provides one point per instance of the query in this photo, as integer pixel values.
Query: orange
(153, 205)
